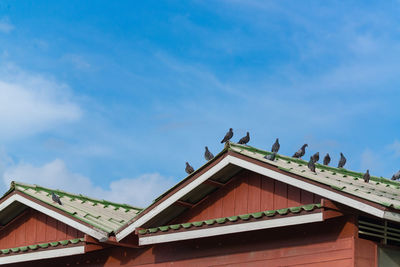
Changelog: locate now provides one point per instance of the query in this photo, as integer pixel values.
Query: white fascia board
(101, 236)
(261, 170)
(230, 229)
(169, 201)
(45, 254)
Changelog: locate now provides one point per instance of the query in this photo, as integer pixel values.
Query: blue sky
(110, 98)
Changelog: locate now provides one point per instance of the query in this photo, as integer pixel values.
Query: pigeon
(396, 176)
(311, 164)
(271, 156)
(55, 198)
(342, 161)
(228, 136)
(315, 157)
(189, 169)
(366, 176)
(245, 140)
(275, 146)
(327, 159)
(300, 152)
(208, 155)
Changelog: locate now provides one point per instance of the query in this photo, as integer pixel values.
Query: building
(238, 209)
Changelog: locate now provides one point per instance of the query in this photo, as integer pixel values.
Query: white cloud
(6, 26)
(395, 148)
(31, 103)
(139, 191)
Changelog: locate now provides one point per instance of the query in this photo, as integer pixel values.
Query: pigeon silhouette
(275, 146)
(342, 161)
(366, 177)
(396, 176)
(208, 155)
(311, 164)
(55, 198)
(228, 136)
(271, 156)
(244, 140)
(189, 169)
(300, 152)
(327, 159)
(315, 157)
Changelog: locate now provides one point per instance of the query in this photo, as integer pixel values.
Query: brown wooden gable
(248, 192)
(33, 227)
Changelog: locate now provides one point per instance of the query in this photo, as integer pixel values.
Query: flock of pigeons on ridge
(275, 148)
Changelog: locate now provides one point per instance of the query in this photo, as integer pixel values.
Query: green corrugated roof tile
(242, 217)
(43, 245)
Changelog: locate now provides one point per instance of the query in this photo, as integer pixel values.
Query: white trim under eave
(101, 236)
(231, 229)
(45, 254)
(229, 159)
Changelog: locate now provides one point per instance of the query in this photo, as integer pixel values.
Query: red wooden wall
(329, 243)
(246, 193)
(34, 227)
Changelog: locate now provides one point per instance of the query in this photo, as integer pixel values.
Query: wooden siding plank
(30, 234)
(51, 229)
(294, 197)
(242, 195)
(267, 193)
(307, 197)
(280, 196)
(254, 197)
(40, 227)
(228, 202)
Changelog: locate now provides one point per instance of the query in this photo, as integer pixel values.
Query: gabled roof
(378, 198)
(104, 217)
(379, 190)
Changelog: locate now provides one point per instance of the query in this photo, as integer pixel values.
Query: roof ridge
(234, 218)
(320, 166)
(72, 195)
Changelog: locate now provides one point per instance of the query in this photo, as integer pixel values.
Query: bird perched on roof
(311, 164)
(244, 140)
(208, 155)
(342, 161)
(228, 136)
(366, 177)
(396, 176)
(275, 146)
(327, 159)
(189, 169)
(55, 198)
(271, 156)
(300, 152)
(315, 157)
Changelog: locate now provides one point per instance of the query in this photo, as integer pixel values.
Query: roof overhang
(41, 207)
(231, 229)
(45, 254)
(232, 158)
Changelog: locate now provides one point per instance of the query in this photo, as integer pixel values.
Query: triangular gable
(236, 157)
(33, 227)
(96, 218)
(245, 193)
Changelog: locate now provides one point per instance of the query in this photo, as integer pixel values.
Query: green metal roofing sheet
(379, 190)
(42, 245)
(104, 215)
(238, 218)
